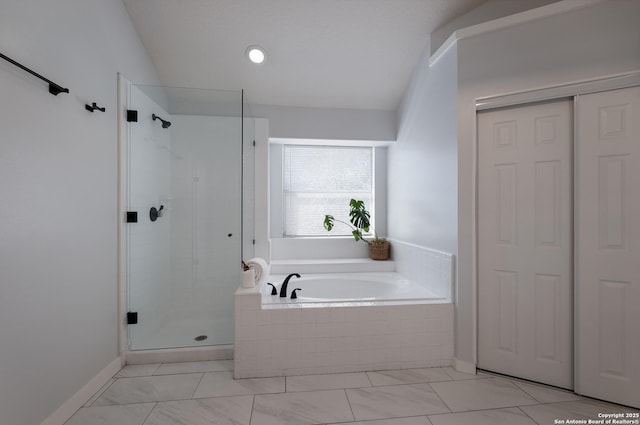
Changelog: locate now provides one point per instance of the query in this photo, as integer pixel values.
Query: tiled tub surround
(285, 339)
(427, 267)
(316, 338)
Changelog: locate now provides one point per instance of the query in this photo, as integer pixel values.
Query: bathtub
(347, 288)
(341, 322)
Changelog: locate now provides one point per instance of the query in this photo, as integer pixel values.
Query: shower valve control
(154, 213)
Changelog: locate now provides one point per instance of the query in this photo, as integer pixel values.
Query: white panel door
(525, 263)
(608, 246)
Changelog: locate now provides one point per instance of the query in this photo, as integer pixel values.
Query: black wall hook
(94, 107)
(154, 213)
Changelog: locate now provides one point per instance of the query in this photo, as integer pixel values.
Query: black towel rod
(54, 89)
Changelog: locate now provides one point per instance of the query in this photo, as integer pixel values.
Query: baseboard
(64, 412)
(462, 366)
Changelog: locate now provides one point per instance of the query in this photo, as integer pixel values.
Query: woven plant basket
(379, 251)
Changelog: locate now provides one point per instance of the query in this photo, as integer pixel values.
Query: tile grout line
(181, 399)
(488, 409)
(516, 386)
(197, 386)
(525, 413)
(149, 414)
(526, 392)
(439, 398)
(349, 403)
(546, 387)
(156, 369)
(397, 385)
(485, 409)
(369, 379)
(419, 382)
(253, 402)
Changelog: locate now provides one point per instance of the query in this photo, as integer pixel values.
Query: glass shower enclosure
(189, 214)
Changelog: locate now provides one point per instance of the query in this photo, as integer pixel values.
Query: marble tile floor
(205, 393)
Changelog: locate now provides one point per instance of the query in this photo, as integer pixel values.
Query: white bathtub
(341, 322)
(347, 287)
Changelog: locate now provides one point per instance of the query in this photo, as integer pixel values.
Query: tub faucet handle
(293, 293)
(283, 287)
(274, 291)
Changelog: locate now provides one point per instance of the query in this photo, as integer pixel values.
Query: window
(319, 180)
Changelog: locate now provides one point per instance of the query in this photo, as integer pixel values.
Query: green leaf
(356, 204)
(358, 215)
(357, 235)
(328, 222)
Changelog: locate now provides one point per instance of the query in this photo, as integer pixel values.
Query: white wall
(325, 123)
(487, 11)
(58, 191)
(589, 42)
(422, 170)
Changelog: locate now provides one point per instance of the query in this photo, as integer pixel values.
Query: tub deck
(350, 288)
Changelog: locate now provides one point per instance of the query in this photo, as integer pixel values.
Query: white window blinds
(321, 180)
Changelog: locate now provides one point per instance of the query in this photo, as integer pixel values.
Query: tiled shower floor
(205, 393)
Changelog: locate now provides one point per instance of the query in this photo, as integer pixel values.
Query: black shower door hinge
(132, 318)
(132, 115)
(132, 216)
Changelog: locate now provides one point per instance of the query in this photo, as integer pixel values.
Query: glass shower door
(184, 259)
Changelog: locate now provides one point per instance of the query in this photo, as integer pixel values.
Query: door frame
(521, 98)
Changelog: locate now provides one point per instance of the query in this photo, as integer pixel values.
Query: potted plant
(360, 221)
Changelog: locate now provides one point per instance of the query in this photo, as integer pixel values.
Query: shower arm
(165, 123)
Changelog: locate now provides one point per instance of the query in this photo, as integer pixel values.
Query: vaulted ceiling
(320, 53)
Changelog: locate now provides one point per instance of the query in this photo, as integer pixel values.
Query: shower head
(165, 123)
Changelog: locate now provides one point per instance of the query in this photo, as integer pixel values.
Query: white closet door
(608, 246)
(525, 263)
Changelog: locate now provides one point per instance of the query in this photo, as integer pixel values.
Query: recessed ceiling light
(256, 54)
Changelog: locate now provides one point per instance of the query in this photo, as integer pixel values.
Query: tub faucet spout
(283, 287)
